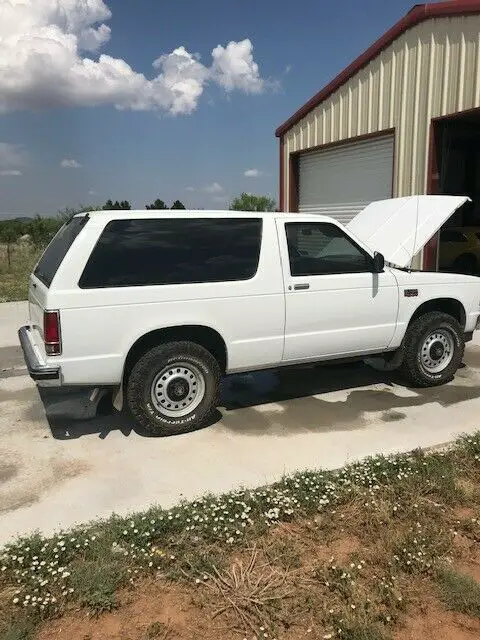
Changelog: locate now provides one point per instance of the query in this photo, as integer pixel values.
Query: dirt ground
(175, 613)
(157, 609)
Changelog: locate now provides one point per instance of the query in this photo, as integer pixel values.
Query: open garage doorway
(455, 170)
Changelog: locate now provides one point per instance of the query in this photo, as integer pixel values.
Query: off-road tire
(146, 370)
(423, 326)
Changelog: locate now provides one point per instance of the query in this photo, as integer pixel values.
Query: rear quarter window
(56, 251)
(168, 251)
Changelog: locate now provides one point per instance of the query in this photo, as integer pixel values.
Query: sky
(145, 99)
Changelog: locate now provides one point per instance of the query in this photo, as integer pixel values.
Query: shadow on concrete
(279, 402)
(71, 415)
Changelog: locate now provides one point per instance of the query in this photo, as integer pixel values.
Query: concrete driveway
(60, 466)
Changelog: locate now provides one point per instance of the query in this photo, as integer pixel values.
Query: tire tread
(150, 360)
(421, 325)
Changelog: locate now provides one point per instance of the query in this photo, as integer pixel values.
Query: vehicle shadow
(275, 402)
(70, 414)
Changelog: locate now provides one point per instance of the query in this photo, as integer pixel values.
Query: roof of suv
(125, 214)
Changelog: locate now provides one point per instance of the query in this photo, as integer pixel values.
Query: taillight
(51, 333)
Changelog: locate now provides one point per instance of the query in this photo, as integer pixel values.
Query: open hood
(400, 227)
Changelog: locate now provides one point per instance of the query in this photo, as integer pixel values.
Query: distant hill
(14, 216)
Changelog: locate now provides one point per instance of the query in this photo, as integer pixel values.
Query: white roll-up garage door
(341, 181)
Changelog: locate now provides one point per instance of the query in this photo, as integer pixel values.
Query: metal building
(402, 119)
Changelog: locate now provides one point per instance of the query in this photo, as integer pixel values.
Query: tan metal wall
(431, 70)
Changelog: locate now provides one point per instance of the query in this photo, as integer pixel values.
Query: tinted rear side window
(56, 251)
(159, 251)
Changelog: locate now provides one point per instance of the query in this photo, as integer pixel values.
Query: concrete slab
(58, 467)
(12, 316)
(11, 358)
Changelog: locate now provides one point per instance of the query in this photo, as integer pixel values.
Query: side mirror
(378, 262)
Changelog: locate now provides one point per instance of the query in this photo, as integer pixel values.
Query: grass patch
(96, 584)
(284, 552)
(14, 280)
(341, 553)
(361, 632)
(459, 592)
(418, 551)
(16, 630)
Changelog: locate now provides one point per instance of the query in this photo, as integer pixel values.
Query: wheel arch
(200, 334)
(450, 306)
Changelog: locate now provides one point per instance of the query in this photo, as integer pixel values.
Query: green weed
(96, 583)
(459, 592)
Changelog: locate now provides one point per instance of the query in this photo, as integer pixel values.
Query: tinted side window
(56, 251)
(160, 251)
(322, 248)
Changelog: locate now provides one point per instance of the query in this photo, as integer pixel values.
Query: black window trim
(330, 273)
(40, 275)
(170, 284)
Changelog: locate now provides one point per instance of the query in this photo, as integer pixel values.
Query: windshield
(58, 248)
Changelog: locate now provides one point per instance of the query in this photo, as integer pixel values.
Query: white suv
(160, 305)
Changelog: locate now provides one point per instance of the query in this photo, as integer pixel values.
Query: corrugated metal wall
(432, 70)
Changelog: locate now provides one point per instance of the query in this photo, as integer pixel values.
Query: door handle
(301, 287)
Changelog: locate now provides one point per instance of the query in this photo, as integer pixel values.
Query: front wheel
(173, 388)
(434, 347)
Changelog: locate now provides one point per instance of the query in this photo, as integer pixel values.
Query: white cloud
(181, 80)
(92, 39)
(92, 192)
(190, 189)
(70, 163)
(288, 68)
(43, 63)
(12, 156)
(252, 173)
(213, 188)
(234, 68)
(10, 172)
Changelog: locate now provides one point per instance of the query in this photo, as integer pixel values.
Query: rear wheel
(173, 388)
(434, 347)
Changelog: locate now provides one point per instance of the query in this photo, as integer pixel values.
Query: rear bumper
(38, 370)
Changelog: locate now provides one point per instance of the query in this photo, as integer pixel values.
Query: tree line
(125, 204)
(244, 202)
(122, 205)
(38, 231)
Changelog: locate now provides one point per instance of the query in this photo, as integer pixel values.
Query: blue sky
(198, 157)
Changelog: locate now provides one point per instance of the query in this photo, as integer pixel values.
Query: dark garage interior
(457, 155)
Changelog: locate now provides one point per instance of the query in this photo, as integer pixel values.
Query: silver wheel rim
(437, 351)
(178, 389)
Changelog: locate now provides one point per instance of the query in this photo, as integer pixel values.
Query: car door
(335, 304)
